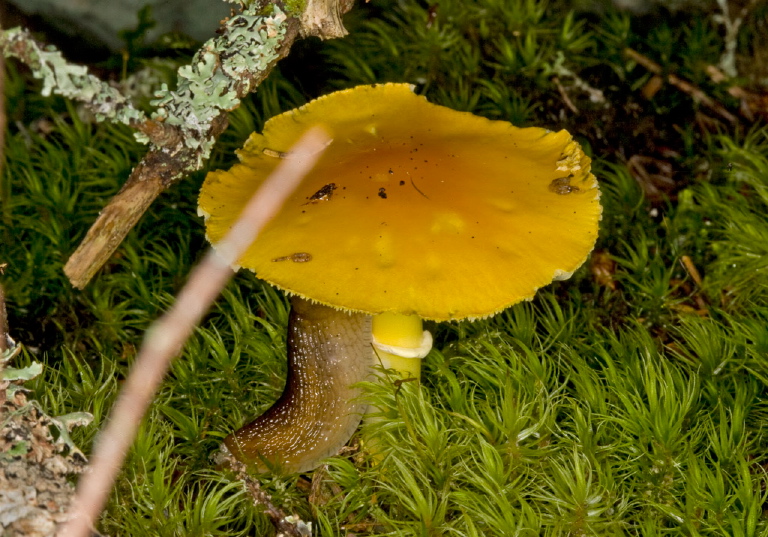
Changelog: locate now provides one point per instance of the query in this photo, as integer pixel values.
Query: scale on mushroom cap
(414, 211)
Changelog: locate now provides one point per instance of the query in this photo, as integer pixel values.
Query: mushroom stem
(401, 343)
(328, 352)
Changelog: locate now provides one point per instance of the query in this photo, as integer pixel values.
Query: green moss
(295, 7)
(626, 404)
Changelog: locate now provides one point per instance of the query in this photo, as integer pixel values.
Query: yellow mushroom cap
(413, 208)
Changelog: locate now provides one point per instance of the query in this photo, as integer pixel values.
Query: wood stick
(683, 85)
(158, 170)
(3, 124)
(3, 324)
(149, 179)
(188, 120)
(3, 312)
(165, 338)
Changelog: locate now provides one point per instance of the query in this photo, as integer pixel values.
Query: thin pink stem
(167, 335)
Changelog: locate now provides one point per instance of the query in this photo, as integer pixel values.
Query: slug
(328, 352)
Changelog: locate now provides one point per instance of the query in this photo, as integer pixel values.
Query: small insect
(324, 194)
(383, 193)
(562, 185)
(276, 154)
(298, 257)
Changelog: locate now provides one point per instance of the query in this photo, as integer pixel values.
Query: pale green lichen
(71, 81)
(63, 424)
(224, 66)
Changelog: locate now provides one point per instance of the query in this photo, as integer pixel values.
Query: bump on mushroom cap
(414, 208)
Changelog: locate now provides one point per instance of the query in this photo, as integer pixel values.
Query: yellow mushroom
(415, 211)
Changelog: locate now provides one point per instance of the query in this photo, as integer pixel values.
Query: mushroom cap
(414, 208)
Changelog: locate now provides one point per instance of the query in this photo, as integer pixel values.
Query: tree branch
(683, 85)
(187, 122)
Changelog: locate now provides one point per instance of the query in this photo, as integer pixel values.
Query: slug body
(328, 352)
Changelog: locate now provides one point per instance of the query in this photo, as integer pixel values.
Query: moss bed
(628, 400)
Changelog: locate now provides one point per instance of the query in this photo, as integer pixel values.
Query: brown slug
(328, 352)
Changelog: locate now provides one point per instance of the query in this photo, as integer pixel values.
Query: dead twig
(186, 125)
(155, 173)
(3, 323)
(696, 293)
(754, 104)
(3, 312)
(564, 95)
(654, 176)
(683, 85)
(167, 335)
(691, 269)
(286, 525)
(3, 117)
(188, 120)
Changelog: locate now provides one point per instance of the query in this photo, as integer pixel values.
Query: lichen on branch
(223, 71)
(68, 80)
(181, 131)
